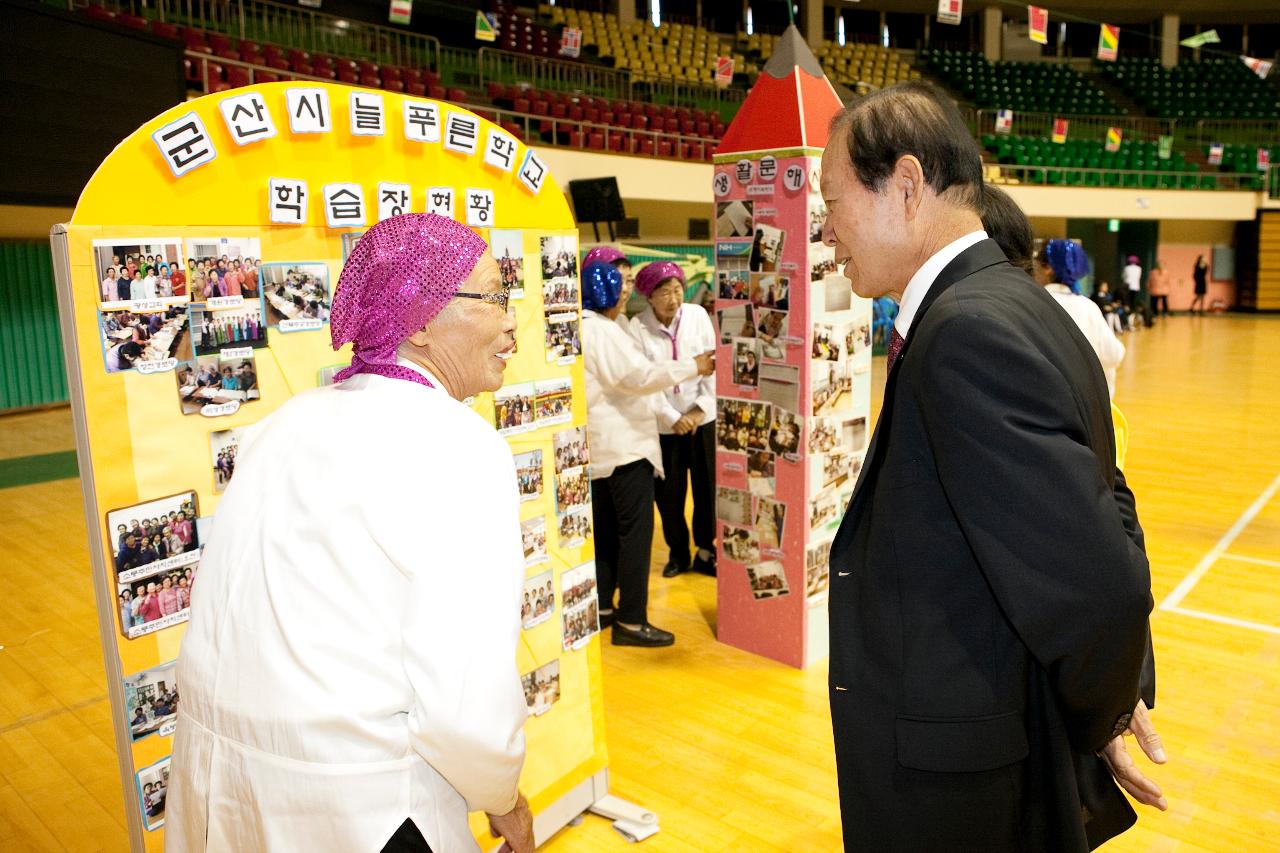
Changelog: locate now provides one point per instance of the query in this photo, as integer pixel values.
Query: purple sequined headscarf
(398, 278)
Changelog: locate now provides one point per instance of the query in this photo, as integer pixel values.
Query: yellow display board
(224, 222)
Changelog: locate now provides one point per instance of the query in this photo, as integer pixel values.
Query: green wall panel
(32, 370)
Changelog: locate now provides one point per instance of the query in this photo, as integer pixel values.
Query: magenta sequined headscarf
(400, 275)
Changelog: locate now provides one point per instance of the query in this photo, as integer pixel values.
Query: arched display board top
(240, 157)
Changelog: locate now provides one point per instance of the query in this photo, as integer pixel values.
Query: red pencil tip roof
(790, 106)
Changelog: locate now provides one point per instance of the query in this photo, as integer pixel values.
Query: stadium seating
(1025, 86)
(1086, 162)
(677, 51)
(1218, 88)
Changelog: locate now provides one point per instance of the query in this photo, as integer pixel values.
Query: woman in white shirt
(622, 430)
(1059, 265)
(668, 330)
(348, 675)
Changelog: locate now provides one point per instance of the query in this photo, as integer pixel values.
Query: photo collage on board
(143, 295)
(839, 373)
(761, 260)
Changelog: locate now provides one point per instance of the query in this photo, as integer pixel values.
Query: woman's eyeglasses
(498, 298)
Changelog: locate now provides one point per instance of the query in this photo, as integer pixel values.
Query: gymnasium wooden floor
(733, 751)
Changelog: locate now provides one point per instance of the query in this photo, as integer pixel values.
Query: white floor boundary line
(1225, 620)
(1275, 564)
(1189, 582)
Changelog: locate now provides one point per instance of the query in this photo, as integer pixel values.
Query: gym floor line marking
(1225, 620)
(1275, 564)
(1206, 562)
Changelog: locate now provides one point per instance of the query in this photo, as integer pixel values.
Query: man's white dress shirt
(924, 277)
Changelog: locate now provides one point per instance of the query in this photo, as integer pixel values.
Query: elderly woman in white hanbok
(348, 676)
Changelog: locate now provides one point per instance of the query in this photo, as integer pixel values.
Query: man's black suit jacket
(989, 589)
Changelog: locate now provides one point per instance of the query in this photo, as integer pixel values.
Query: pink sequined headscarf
(398, 278)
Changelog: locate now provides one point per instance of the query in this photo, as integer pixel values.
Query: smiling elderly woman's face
(467, 343)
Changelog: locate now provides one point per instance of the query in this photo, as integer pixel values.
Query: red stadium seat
(575, 113)
(218, 41)
(575, 138)
(371, 81)
(671, 124)
(346, 75)
(393, 85)
(266, 77)
(617, 141)
(164, 30)
(595, 141)
(645, 146)
(521, 105)
(665, 148)
(418, 90)
(99, 14)
(436, 92)
(458, 96)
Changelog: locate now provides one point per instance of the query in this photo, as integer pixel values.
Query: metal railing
(533, 129)
(501, 66)
(288, 27)
(1185, 132)
(1148, 179)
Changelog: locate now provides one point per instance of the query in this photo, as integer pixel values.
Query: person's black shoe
(704, 567)
(672, 568)
(606, 620)
(647, 635)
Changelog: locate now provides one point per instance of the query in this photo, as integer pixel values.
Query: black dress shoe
(647, 635)
(704, 567)
(672, 568)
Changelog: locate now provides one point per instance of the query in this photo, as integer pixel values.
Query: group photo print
(295, 291)
(139, 270)
(529, 474)
(223, 446)
(241, 326)
(223, 267)
(570, 447)
(560, 274)
(153, 790)
(159, 531)
(508, 250)
(539, 600)
(133, 338)
(213, 380)
(542, 688)
(155, 600)
(151, 700)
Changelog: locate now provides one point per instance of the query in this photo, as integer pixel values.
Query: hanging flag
(401, 11)
(1200, 39)
(1004, 121)
(1114, 138)
(949, 11)
(486, 27)
(724, 71)
(1215, 153)
(1264, 159)
(571, 42)
(1165, 151)
(1038, 24)
(1261, 67)
(1059, 130)
(1108, 42)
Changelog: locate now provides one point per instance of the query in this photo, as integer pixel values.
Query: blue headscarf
(1069, 262)
(601, 285)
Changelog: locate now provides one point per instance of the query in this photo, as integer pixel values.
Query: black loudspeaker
(699, 229)
(597, 200)
(629, 228)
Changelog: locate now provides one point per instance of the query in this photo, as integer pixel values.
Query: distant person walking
(1201, 276)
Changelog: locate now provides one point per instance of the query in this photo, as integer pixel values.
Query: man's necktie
(895, 347)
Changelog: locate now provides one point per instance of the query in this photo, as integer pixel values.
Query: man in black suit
(989, 588)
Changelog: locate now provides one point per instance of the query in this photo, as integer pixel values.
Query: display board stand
(793, 371)
(194, 282)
